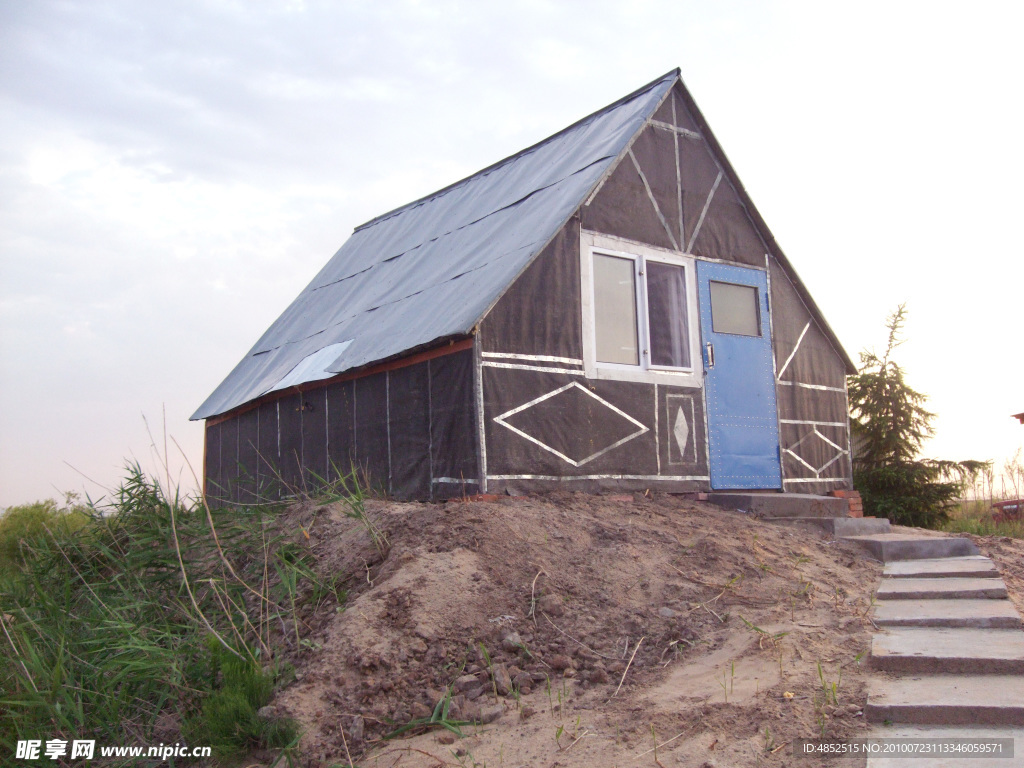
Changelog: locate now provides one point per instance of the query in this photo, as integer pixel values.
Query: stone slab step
(888, 547)
(980, 613)
(841, 526)
(946, 700)
(783, 504)
(973, 565)
(959, 733)
(860, 526)
(952, 651)
(947, 588)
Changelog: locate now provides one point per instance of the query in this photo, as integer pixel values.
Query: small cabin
(605, 309)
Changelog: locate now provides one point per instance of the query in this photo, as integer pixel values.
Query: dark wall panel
(398, 430)
(808, 414)
(290, 439)
(229, 459)
(409, 425)
(539, 313)
(682, 438)
(569, 425)
(723, 228)
(214, 488)
(655, 153)
(714, 223)
(371, 434)
(453, 425)
(340, 426)
(664, 112)
(248, 455)
(727, 232)
(623, 208)
(797, 403)
(314, 437)
(542, 428)
(683, 117)
(815, 361)
(268, 465)
(815, 451)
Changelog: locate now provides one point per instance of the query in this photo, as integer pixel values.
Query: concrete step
(946, 700)
(952, 651)
(840, 526)
(975, 566)
(859, 526)
(888, 547)
(783, 504)
(948, 588)
(956, 735)
(981, 614)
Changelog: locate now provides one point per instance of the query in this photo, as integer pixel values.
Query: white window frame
(593, 243)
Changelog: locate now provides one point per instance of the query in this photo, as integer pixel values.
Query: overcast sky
(173, 174)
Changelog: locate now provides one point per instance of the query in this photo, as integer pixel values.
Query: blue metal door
(743, 428)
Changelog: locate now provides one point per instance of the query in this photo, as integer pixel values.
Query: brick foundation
(853, 499)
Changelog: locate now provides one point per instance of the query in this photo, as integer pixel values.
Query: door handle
(711, 354)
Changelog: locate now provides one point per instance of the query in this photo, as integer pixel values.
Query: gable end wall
(669, 191)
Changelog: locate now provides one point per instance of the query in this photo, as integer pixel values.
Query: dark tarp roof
(431, 269)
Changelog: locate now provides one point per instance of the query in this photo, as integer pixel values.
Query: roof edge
(618, 102)
(446, 345)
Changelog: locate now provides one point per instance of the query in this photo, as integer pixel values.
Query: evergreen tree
(890, 425)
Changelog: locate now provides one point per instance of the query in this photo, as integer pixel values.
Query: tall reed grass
(158, 619)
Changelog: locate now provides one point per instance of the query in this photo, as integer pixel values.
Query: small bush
(29, 522)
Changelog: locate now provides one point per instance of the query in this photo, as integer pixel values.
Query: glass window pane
(666, 307)
(615, 310)
(735, 309)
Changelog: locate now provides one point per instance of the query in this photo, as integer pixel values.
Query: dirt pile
(579, 630)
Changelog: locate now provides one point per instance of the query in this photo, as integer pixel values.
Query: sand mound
(532, 611)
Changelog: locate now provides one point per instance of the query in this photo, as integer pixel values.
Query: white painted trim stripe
(814, 423)
(598, 477)
(478, 387)
(537, 358)
(657, 442)
(817, 480)
(455, 480)
(704, 211)
(795, 456)
(792, 354)
(842, 451)
(676, 129)
(836, 458)
(726, 261)
(654, 203)
(538, 368)
(821, 387)
(679, 180)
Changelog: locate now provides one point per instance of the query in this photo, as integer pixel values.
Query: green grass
(150, 610)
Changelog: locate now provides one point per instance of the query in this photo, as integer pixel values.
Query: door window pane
(735, 309)
(666, 300)
(615, 310)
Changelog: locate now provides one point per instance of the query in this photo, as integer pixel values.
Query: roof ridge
(521, 153)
